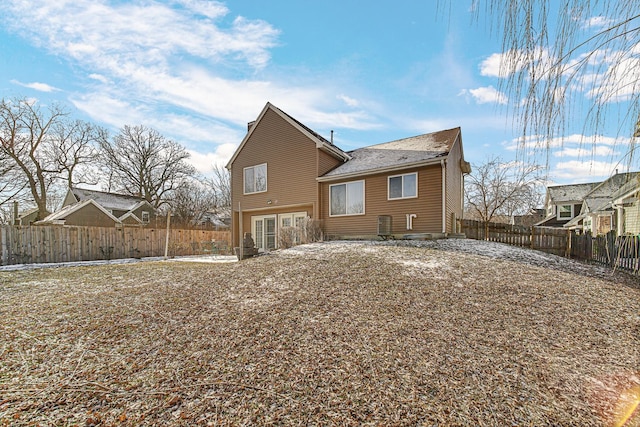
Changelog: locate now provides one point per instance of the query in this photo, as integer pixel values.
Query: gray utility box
(384, 226)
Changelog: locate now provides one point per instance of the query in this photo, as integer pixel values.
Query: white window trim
(142, 215)
(403, 196)
(266, 179)
(560, 218)
(364, 199)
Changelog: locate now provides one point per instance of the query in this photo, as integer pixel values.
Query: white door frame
(264, 240)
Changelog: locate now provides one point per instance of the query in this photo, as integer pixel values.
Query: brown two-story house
(283, 172)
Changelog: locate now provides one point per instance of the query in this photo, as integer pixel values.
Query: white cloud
(597, 22)
(169, 67)
(42, 87)
(491, 66)
(204, 162)
(579, 171)
(488, 95)
(584, 153)
(537, 142)
(504, 64)
(348, 100)
(618, 83)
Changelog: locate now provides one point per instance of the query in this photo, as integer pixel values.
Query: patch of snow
(206, 258)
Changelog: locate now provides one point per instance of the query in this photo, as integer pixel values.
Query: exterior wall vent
(384, 226)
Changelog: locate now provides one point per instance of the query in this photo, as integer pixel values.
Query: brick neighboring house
(98, 208)
(283, 172)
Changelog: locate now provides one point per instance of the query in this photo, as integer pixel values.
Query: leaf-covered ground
(436, 333)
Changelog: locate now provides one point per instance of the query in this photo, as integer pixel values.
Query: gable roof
(110, 201)
(130, 215)
(602, 195)
(571, 192)
(321, 143)
(28, 212)
(69, 209)
(399, 154)
(628, 189)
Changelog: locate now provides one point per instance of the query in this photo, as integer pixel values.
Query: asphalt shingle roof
(397, 153)
(571, 193)
(109, 201)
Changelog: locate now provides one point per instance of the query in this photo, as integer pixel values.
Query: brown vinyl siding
(69, 199)
(326, 163)
(246, 216)
(427, 206)
(89, 215)
(130, 221)
(145, 208)
(453, 185)
(292, 163)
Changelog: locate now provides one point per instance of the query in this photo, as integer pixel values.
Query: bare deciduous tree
(23, 135)
(220, 184)
(498, 188)
(143, 163)
(568, 61)
(39, 148)
(74, 146)
(190, 202)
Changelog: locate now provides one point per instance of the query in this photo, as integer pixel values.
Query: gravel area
(448, 332)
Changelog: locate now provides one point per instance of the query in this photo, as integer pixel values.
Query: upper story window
(255, 179)
(565, 211)
(346, 198)
(145, 217)
(403, 186)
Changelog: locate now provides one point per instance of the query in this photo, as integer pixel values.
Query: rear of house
(283, 173)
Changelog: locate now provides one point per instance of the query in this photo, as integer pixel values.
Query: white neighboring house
(563, 203)
(600, 212)
(626, 203)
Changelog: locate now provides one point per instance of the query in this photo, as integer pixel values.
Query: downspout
(444, 197)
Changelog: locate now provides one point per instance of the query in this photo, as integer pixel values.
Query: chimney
(16, 220)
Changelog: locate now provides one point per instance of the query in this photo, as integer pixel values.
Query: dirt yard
(438, 333)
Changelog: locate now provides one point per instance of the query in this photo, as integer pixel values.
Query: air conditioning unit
(384, 226)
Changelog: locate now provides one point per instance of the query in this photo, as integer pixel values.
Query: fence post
(533, 238)
(3, 245)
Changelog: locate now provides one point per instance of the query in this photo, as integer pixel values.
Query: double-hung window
(255, 179)
(346, 198)
(565, 211)
(403, 186)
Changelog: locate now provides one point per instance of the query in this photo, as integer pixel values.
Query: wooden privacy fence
(621, 252)
(546, 239)
(49, 244)
(615, 251)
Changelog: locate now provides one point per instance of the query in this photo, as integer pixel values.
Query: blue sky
(198, 71)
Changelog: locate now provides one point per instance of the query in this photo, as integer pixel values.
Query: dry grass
(342, 334)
